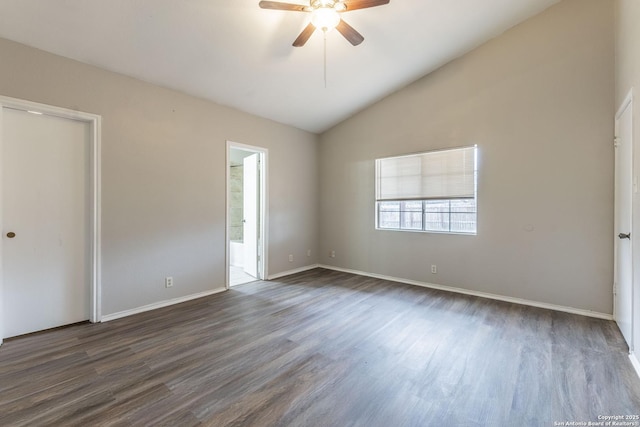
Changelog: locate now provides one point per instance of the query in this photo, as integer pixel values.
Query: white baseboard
(149, 307)
(294, 271)
(588, 313)
(513, 300)
(159, 304)
(635, 362)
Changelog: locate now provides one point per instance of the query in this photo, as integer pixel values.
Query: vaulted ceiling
(234, 53)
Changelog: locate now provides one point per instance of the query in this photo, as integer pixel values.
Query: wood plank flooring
(322, 348)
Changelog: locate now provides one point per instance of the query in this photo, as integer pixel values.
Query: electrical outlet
(308, 252)
(434, 269)
(332, 254)
(168, 282)
(290, 258)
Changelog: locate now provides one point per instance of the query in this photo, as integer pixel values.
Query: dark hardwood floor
(322, 348)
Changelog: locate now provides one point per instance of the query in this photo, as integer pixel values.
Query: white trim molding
(160, 304)
(294, 271)
(627, 100)
(635, 362)
(496, 297)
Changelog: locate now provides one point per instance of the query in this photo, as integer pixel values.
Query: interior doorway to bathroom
(246, 215)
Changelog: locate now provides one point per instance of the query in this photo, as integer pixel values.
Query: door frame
(95, 122)
(262, 209)
(626, 103)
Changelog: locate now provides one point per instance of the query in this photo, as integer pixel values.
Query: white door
(45, 221)
(623, 298)
(251, 194)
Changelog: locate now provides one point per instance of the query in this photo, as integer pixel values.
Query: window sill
(458, 233)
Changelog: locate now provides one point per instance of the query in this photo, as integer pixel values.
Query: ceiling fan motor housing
(336, 5)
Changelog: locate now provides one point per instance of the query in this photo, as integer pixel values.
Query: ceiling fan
(325, 15)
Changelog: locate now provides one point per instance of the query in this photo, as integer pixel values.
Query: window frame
(424, 211)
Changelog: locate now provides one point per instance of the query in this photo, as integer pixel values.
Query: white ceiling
(236, 54)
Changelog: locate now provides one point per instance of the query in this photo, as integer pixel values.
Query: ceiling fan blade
(282, 6)
(349, 33)
(363, 4)
(304, 35)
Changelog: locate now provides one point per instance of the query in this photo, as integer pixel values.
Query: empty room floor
(322, 348)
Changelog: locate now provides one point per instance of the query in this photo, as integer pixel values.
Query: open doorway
(246, 215)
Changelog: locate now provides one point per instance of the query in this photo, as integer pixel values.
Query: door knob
(11, 234)
(624, 236)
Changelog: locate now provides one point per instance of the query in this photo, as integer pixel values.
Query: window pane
(463, 222)
(412, 221)
(389, 215)
(463, 205)
(436, 206)
(412, 206)
(411, 217)
(389, 206)
(436, 221)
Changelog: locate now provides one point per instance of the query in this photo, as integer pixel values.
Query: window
(433, 191)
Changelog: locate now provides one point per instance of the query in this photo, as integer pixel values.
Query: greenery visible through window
(433, 191)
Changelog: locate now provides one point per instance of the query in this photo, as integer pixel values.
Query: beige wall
(627, 16)
(163, 177)
(538, 100)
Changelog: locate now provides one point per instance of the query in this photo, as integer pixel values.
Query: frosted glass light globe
(325, 18)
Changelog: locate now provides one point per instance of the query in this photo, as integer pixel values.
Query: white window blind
(444, 174)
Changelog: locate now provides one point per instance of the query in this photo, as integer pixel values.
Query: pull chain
(325, 59)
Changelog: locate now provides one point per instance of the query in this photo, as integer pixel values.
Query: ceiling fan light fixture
(325, 15)
(317, 4)
(325, 18)
(340, 6)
